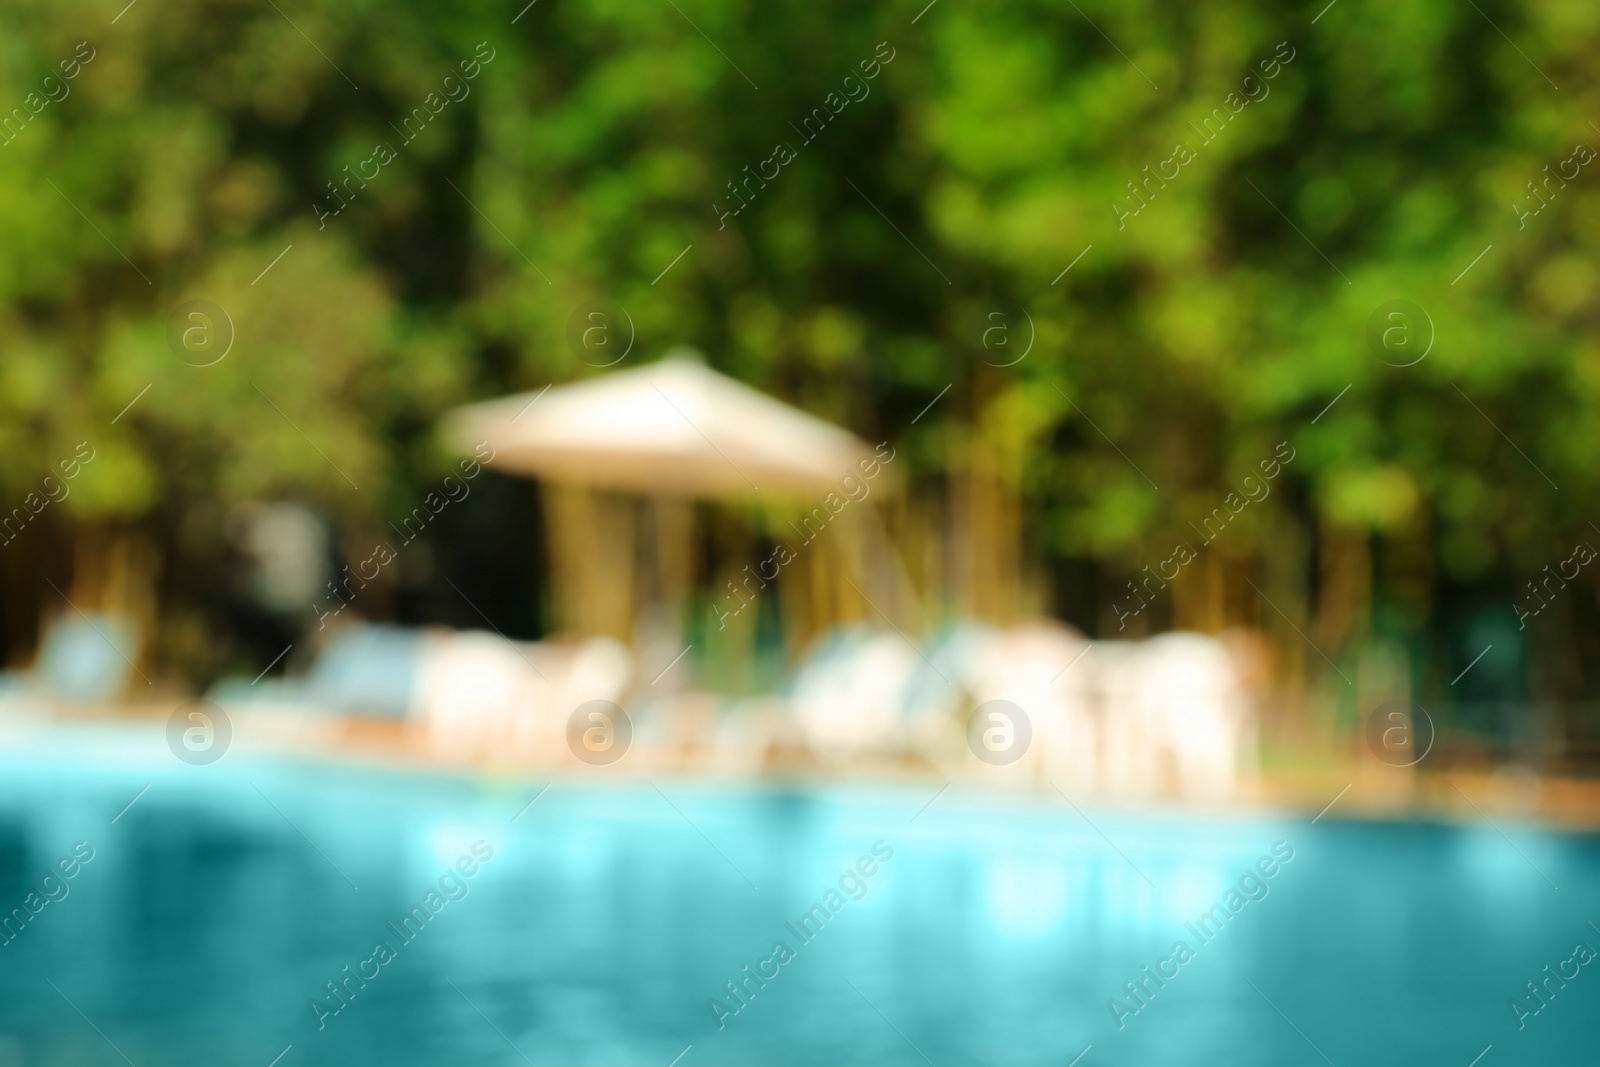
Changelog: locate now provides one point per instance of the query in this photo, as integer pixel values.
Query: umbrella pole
(667, 579)
(591, 536)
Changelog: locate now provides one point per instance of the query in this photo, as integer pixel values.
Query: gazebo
(622, 459)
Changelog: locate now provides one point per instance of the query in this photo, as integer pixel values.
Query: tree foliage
(997, 144)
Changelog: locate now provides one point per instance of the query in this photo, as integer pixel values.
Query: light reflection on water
(206, 924)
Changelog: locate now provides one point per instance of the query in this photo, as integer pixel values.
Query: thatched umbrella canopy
(672, 428)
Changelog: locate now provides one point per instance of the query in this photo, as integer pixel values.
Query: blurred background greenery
(989, 152)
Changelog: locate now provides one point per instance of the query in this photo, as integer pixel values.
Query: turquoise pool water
(609, 916)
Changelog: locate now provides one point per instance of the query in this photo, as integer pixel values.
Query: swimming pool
(608, 920)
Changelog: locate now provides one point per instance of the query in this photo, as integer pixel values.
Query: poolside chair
(1041, 667)
(367, 668)
(847, 695)
(1174, 713)
(480, 694)
(1191, 693)
(1130, 741)
(82, 659)
(938, 696)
